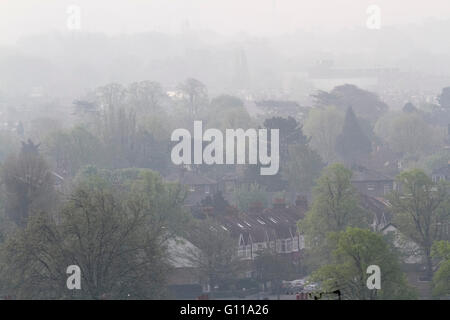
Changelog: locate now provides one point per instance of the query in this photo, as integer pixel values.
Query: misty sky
(259, 17)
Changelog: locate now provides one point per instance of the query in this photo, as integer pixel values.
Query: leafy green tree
(42, 127)
(441, 279)
(216, 255)
(421, 209)
(352, 144)
(9, 144)
(114, 123)
(409, 108)
(444, 98)
(290, 133)
(72, 149)
(272, 267)
(227, 112)
(294, 145)
(115, 232)
(335, 207)
(434, 161)
(366, 104)
(219, 204)
(355, 250)
(323, 125)
(28, 184)
(196, 95)
(409, 134)
(145, 96)
(245, 196)
(302, 167)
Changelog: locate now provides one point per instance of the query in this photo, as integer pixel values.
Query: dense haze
(171, 40)
(352, 97)
(256, 17)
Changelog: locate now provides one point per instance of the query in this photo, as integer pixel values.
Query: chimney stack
(279, 203)
(301, 203)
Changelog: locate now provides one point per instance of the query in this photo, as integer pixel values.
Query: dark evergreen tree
(352, 144)
(409, 108)
(444, 98)
(291, 132)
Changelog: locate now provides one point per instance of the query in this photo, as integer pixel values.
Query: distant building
(380, 208)
(441, 174)
(198, 186)
(412, 260)
(261, 229)
(372, 183)
(184, 281)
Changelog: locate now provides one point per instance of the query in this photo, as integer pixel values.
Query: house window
(248, 251)
(278, 246)
(289, 245)
(295, 244)
(371, 186)
(387, 189)
(301, 242)
(283, 246)
(260, 221)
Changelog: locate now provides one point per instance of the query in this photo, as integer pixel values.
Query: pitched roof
(264, 224)
(379, 207)
(443, 171)
(190, 178)
(361, 173)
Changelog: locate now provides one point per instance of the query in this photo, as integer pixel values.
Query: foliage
(116, 235)
(302, 167)
(217, 202)
(409, 134)
(145, 96)
(355, 250)
(323, 125)
(421, 209)
(444, 98)
(195, 95)
(72, 149)
(334, 208)
(434, 161)
(273, 267)
(216, 255)
(291, 132)
(352, 144)
(245, 196)
(228, 112)
(365, 103)
(441, 279)
(28, 183)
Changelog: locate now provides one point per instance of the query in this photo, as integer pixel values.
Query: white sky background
(257, 17)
